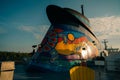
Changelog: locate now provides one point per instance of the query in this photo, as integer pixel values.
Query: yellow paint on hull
(66, 48)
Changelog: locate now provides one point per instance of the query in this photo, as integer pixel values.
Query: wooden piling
(7, 70)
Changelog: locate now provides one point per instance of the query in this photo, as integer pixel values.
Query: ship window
(83, 48)
(93, 41)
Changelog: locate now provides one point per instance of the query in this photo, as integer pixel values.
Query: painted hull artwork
(68, 41)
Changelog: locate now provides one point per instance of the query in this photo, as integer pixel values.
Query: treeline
(13, 56)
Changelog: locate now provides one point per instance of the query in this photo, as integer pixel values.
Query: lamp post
(34, 46)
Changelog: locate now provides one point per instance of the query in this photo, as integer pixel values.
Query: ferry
(68, 42)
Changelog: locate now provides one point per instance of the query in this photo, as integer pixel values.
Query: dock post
(7, 70)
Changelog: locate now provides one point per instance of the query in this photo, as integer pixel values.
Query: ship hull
(67, 43)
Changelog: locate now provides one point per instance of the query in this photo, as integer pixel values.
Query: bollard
(7, 70)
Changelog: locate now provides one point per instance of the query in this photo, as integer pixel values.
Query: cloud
(27, 28)
(37, 31)
(106, 27)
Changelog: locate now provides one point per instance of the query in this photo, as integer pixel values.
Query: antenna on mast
(82, 9)
(105, 43)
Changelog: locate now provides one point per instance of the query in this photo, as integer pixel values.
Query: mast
(105, 43)
(82, 9)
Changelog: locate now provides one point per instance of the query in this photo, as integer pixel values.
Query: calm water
(21, 74)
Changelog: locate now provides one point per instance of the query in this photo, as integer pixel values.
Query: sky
(23, 23)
